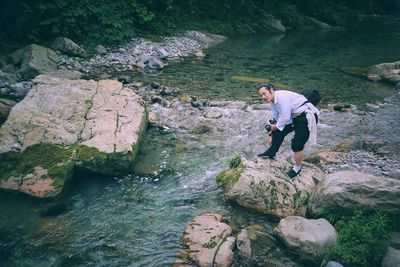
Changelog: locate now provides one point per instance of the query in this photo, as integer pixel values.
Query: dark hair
(269, 86)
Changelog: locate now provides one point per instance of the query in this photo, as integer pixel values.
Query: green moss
(301, 199)
(235, 161)
(57, 160)
(228, 178)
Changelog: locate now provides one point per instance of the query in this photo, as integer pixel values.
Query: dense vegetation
(362, 237)
(102, 21)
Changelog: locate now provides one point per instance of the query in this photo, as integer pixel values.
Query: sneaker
(292, 173)
(266, 155)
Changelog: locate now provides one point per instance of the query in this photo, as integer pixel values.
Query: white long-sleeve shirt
(288, 104)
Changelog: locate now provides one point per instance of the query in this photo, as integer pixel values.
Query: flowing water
(137, 220)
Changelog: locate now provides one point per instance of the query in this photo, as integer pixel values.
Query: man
(291, 112)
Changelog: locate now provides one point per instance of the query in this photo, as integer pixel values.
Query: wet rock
(264, 186)
(166, 91)
(155, 85)
(195, 103)
(99, 49)
(5, 108)
(199, 54)
(207, 241)
(162, 53)
(389, 72)
(125, 80)
(392, 258)
(397, 87)
(157, 99)
(153, 63)
(342, 107)
(63, 124)
(35, 60)
(350, 189)
(67, 46)
(243, 244)
(309, 239)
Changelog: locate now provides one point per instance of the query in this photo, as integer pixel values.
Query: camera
(268, 126)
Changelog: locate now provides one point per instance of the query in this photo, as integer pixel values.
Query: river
(137, 220)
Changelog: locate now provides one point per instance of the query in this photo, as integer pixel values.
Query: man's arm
(285, 114)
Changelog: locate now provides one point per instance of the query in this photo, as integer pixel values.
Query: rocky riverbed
(356, 143)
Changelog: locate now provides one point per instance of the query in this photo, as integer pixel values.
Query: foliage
(361, 239)
(235, 161)
(101, 21)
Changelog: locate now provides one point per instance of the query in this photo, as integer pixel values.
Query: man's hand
(270, 140)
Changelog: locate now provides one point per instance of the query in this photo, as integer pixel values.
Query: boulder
(99, 49)
(351, 189)
(67, 46)
(263, 185)
(5, 108)
(392, 258)
(388, 72)
(309, 239)
(66, 124)
(243, 243)
(207, 242)
(35, 60)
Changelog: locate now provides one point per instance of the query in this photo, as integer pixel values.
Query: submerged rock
(62, 124)
(309, 239)
(207, 241)
(350, 189)
(264, 186)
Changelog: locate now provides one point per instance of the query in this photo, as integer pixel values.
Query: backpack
(313, 96)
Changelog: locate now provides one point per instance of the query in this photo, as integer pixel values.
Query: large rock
(389, 72)
(392, 258)
(62, 124)
(309, 239)
(350, 189)
(264, 186)
(207, 242)
(35, 60)
(67, 46)
(5, 108)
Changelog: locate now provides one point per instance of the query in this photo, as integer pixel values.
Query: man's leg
(301, 136)
(277, 139)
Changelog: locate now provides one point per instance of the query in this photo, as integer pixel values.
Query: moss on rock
(228, 178)
(57, 160)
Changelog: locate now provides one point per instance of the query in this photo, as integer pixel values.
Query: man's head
(267, 92)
